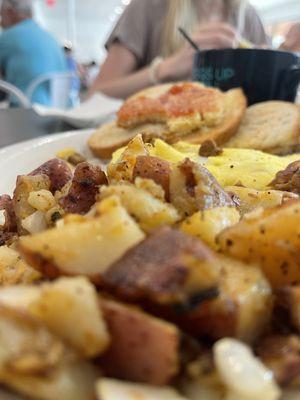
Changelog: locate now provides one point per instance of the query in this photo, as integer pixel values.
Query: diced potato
(242, 309)
(5, 395)
(13, 270)
(196, 389)
(25, 185)
(207, 224)
(149, 212)
(193, 188)
(291, 394)
(281, 354)
(73, 381)
(270, 238)
(84, 245)
(69, 308)
(288, 298)
(151, 343)
(218, 296)
(26, 346)
(38, 364)
(121, 168)
(251, 198)
(169, 268)
(41, 200)
(153, 169)
(59, 306)
(111, 389)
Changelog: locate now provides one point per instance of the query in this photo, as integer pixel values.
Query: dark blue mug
(263, 74)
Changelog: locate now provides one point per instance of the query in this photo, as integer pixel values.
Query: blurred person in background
(75, 69)
(92, 71)
(146, 48)
(292, 39)
(26, 50)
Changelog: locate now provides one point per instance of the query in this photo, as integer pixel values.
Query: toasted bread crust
(272, 126)
(184, 107)
(110, 137)
(236, 105)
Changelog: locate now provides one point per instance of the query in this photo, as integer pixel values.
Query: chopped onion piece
(35, 223)
(111, 389)
(243, 374)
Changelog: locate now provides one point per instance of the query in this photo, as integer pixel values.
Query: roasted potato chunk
(270, 238)
(149, 212)
(38, 364)
(7, 395)
(26, 346)
(206, 225)
(193, 188)
(10, 223)
(134, 336)
(184, 281)
(58, 172)
(59, 306)
(109, 389)
(122, 169)
(72, 381)
(13, 270)
(154, 168)
(25, 185)
(83, 245)
(288, 300)
(243, 308)
(282, 355)
(85, 186)
(168, 267)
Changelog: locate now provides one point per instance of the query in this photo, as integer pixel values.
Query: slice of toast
(272, 126)
(182, 106)
(235, 107)
(110, 137)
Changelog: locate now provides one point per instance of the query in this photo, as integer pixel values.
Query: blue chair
(61, 86)
(15, 94)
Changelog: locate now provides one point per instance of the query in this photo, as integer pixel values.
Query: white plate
(22, 158)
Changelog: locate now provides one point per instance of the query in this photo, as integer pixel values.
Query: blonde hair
(184, 13)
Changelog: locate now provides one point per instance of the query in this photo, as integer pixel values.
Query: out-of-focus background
(86, 23)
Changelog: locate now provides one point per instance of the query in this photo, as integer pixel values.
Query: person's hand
(292, 39)
(210, 36)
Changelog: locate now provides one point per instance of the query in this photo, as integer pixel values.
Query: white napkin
(96, 110)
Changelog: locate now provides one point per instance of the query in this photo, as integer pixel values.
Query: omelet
(250, 168)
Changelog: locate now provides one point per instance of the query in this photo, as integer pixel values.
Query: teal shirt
(27, 52)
